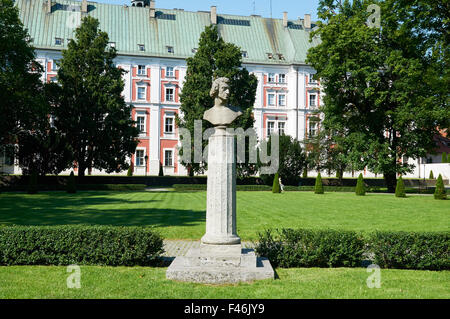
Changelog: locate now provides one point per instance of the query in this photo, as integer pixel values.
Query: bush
(318, 187)
(431, 175)
(78, 244)
(411, 250)
(202, 187)
(71, 186)
(276, 185)
(439, 192)
(360, 188)
(130, 171)
(32, 184)
(444, 157)
(161, 171)
(400, 188)
(311, 248)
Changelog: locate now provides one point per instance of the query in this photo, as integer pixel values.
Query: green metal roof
(129, 26)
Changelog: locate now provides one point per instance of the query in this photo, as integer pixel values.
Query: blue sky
(295, 8)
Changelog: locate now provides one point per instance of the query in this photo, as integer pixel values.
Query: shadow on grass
(64, 209)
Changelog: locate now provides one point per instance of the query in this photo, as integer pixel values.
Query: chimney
(213, 15)
(285, 19)
(49, 6)
(84, 6)
(307, 21)
(152, 9)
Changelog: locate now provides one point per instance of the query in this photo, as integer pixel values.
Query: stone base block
(216, 269)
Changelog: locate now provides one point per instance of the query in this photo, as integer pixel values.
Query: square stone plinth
(219, 268)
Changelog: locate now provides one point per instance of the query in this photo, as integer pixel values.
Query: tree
(431, 175)
(360, 188)
(292, 160)
(92, 113)
(318, 187)
(374, 85)
(400, 188)
(20, 84)
(216, 58)
(276, 184)
(71, 184)
(439, 192)
(444, 157)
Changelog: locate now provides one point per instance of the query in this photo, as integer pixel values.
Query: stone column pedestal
(221, 190)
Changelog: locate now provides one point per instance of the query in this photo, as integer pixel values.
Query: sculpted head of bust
(220, 91)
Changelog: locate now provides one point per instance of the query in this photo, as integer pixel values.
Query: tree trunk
(391, 180)
(81, 169)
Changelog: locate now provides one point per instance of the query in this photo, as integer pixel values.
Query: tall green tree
(92, 113)
(20, 85)
(215, 58)
(374, 84)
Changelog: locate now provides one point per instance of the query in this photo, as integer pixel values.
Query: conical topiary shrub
(360, 188)
(400, 188)
(276, 185)
(439, 192)
(431, 175)
(130, 171)
(71, 186)
(305, 173)
(161, 172)
(444, 157)
(318, 187)
(32, 184)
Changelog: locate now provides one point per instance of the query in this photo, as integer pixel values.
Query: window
(54, 79)
(312, 100)
(141, 47)
(169, 94)
(270, 56)
(311, 78)
(112, 44)
(140, 158)
(168, 125)
(282, 78)
(140, 122)
(170, 49)
(270, 127)
(55, 66)
(194, 50)
(168, 157)
(282, 100)
(141, 92)
(7, 155)
(271, 98)
(312, 129)
(169, 72)
(244, 54)
(281, 127)
(271, 77)
(141, 70)
(59, 41)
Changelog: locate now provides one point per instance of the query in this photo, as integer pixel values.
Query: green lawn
(142, 282)
(182, 215)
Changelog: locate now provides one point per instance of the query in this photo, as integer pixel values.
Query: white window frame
(284, 127)
(315, 100)
(171, 117)
(273, 101)
(144, 116)
(282, 78)
(270, 129)
(170, 74)
(138, 149)
(145, 92)
(112, 44)
(172, 158)
(141, 47)
(271, 77)
(141, 69)
(244, 54)
(311, 78)
(60, 40)
(279, 99)
(170, 49)
(55, 66)
(172, 95)
(316, 128)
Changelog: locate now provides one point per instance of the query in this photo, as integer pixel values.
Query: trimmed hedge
(404, 250)
(84, 187)
(311, 248)
(79, 244)
(202, 187)
(276, 189)
(334, 248)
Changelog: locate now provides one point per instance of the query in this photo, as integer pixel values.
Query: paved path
(174, 248)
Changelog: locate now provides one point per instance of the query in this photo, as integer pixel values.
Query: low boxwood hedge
(83, 187)
(334, 248)
(79, 244)
(202, 187)
(408, 250)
